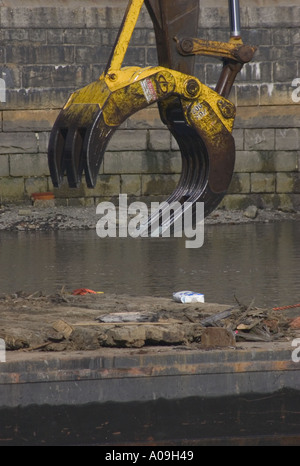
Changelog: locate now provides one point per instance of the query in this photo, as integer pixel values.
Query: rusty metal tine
(183, 187)
(193, 177)
(56, 155)
(96, 140)
(73, 155)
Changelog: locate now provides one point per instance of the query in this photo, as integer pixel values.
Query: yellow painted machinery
(201, 119)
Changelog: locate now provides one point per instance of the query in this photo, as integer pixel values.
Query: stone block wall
(49, 49)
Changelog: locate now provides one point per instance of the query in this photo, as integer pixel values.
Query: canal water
(259, 262)
(253, 261)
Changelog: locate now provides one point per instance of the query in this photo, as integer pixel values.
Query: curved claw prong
(69, 145)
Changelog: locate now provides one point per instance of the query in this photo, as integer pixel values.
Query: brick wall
(48, 49)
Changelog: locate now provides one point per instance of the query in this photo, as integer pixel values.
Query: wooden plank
(208, 321)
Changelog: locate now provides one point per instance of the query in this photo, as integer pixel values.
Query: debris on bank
(68, 322)
(59, 218)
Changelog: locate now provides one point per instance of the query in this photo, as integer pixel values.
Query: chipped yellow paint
(135, 88)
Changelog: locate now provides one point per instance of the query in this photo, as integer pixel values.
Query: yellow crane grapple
(200, 118)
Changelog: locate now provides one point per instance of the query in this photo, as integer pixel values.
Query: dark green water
(251, 420)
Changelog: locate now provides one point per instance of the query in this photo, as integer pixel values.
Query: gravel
(47, 218)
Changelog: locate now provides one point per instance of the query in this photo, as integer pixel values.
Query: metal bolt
(227, 109)
(186, 45)
(192, 87)
(112, 76)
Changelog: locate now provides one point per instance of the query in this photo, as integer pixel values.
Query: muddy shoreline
(42, 217)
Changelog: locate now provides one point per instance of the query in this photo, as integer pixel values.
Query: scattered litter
(42, 196)
(188, 297)
(84, 291)
(43, 200)
(282, 308)
(64, 322)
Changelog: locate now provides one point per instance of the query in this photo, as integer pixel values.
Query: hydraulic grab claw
(200, 119)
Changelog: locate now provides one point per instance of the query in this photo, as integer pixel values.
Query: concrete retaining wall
(49, 49)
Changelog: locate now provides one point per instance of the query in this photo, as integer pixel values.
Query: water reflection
(258, 261)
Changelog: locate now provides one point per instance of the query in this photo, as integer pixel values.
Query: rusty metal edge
(132, 376)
